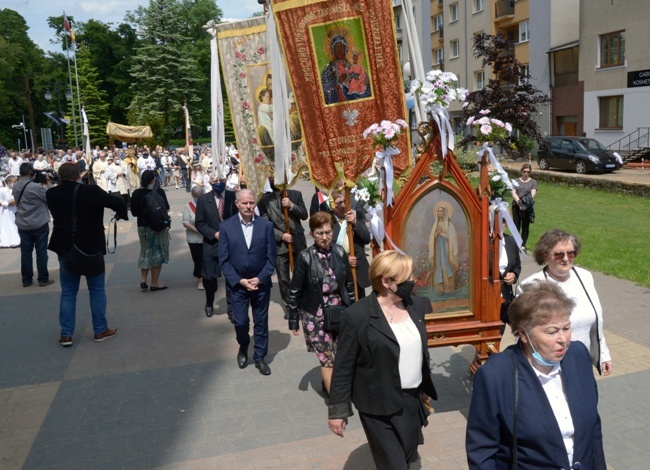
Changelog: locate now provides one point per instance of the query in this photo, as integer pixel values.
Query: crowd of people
(534, 404)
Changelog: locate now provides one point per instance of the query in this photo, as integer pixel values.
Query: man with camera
(32, 220)
(88, 237)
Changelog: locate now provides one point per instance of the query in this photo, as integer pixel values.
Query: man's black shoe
(209, 312)
(242, 359)
(263, 367)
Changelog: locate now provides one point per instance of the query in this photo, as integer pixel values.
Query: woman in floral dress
(321, 276)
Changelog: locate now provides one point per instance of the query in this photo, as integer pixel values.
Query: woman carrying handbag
(322, 282)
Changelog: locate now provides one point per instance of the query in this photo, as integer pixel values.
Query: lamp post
(68, 96)
(24, 129)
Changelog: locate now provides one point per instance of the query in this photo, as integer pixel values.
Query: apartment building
(615, 67)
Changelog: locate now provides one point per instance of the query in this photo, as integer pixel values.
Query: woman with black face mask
(383, 362)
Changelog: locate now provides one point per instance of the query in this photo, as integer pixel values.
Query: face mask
(404, 289)
(219, 187)
(538, 358)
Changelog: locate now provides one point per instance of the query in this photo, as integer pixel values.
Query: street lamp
(21, 126)
(68, 96)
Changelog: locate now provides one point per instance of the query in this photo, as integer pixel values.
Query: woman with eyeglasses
(382, 365)
(556, 250)
(321, 277)
(523, 209)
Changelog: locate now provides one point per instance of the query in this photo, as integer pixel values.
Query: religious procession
(380, 211)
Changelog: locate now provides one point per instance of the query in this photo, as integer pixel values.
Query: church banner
(344, 67)
(248, 77)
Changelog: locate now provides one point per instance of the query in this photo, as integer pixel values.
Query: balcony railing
(504, 8)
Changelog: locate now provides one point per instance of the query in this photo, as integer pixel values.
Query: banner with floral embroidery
(343, 63)
(248, 78)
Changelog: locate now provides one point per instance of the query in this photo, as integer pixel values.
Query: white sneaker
(200, 285)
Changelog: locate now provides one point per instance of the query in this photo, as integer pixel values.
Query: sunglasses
(559, 255)
(526, 171)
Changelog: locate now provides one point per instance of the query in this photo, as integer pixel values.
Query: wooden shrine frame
(474, 318)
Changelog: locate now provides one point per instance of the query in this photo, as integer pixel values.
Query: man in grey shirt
(32, 220)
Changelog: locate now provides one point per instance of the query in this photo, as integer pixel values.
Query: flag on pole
(253, 84)
(217, 127)
(86, 134)
(72, 36)
(66, 23)
(345, 71)
(189, 145)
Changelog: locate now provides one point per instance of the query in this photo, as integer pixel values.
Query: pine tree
(164, 75)
(93, 100)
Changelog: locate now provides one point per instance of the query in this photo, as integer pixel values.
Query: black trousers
(283, 271)
(196, 250)
(522, 222)
(394, 439)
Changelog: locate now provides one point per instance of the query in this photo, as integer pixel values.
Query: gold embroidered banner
(343, 64)
(247, 74)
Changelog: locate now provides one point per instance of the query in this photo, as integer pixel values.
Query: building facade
(615, 68)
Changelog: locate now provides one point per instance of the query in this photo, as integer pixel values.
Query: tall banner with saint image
(248, 78)
(344, 68)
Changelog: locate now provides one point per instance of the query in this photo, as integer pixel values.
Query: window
(478, 6)
(437, 23)
(612, 49)
(524, 73)
(397, 22)
(479, 80)
(611, 112)
(453, 12)
(524, 35)
(438, 56)
(455, 48)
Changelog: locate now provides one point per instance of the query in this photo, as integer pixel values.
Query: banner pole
(350, 241)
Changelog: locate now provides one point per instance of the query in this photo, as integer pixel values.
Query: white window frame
(524, 31)
(453, 8)
(438, 22)
(454, 54)
(524, 68)
(478, 74)
(478, 6)
(438, 56)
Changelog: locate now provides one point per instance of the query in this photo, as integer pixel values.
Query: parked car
(576, 153)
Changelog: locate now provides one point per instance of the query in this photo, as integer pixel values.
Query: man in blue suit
(247, 254)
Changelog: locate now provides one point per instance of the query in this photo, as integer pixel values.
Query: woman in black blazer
(322, 277)
(382, 365)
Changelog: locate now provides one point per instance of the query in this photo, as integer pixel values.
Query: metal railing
(640, 138)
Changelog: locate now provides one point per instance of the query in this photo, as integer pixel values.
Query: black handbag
(332, 315)
(77, 260)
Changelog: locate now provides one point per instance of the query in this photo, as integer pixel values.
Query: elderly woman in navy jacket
(382, 365)
(535, 404)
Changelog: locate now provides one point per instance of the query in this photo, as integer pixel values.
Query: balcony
(504, 9)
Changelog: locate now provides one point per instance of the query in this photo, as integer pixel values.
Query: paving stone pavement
(166, 392)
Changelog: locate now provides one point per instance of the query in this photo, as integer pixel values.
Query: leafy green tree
(93, 99)
(164, 74)
(508, 95)
(19, 58)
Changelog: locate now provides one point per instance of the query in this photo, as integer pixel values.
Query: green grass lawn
(612, 228)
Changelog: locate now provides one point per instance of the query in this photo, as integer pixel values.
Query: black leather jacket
(307, 282)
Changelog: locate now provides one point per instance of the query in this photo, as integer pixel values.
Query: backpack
(155, 212)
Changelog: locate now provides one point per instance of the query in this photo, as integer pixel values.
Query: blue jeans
(68, 305)
(28, 240)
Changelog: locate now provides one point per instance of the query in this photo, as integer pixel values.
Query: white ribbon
(501, 207)
(441, 116)
(495, 163)
(386, 156)
(377, 230)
